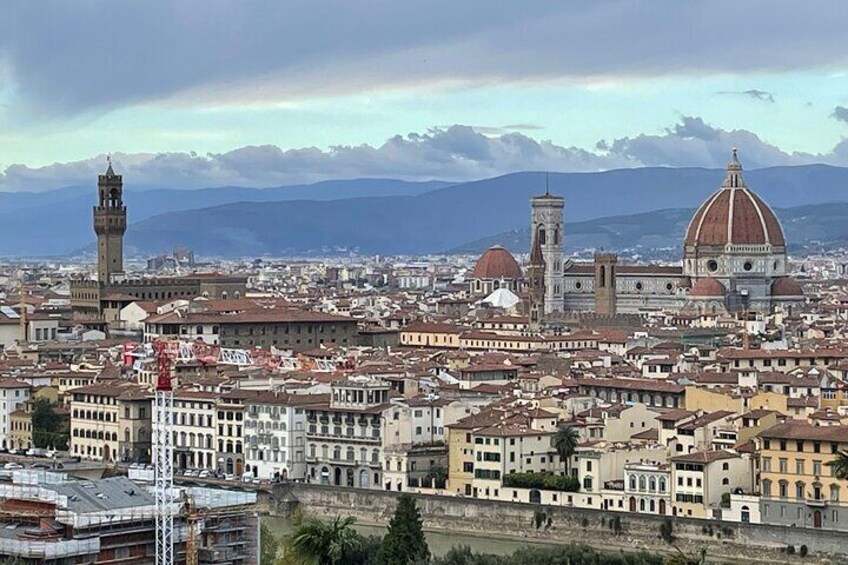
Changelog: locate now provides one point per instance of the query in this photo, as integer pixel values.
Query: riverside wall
(723, 541)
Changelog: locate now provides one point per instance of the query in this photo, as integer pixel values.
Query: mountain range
(613, 209)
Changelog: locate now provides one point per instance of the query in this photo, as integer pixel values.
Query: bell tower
(546, 213)
(110, 224)
(536, 285)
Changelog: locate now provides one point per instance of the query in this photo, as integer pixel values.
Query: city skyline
(396, 91)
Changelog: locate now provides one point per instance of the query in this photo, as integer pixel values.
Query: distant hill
(448, 218)
(813, 226)
(58, 222)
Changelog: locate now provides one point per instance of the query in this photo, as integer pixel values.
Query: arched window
(587, 483)
(632, 482)
(662, 484)
(725, 481)
(652, 484)
(541, 236)
(642, 482)
(602, 276)
(127, 435)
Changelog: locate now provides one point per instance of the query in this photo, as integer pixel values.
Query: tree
(840, 466)
(565, 442)
(324, 543)
(269, 546)
(404, 544)
(436, 477)
(47, 426)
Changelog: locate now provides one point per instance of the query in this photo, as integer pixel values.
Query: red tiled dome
(786, 286)
(734, 215)
(707, 287)
(496, 263)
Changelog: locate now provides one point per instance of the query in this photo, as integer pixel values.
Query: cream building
(111, 422)
(344, 434)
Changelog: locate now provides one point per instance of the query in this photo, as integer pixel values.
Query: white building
(13, 393)
(275, 434)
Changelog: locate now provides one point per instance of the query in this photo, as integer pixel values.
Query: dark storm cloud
(65, 58)
(841, 114)
(451, 153)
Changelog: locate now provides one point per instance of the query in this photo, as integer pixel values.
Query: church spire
(109, 171)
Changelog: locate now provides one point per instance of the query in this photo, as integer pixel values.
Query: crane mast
(163, 455)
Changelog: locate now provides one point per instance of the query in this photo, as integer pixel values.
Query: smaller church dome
(496, 263)
(707, 287)
(786, 286)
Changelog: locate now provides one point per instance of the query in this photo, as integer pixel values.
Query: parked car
(12, 465)
(13, 452)
(190, 473)
(229, 477)
(204, 474)
(40, 466)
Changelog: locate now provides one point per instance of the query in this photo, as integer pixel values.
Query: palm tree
(324, 543)
(840, 466)
(565, 442)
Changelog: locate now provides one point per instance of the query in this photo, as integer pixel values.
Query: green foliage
(840, 466)
(543, 481)
(48, 428)
(569, 554)
(565, 442)
(725, 500)
(269, 546)
(802, 551)
(438, 474)
(323, 543)
(404, 544)
(667, 530)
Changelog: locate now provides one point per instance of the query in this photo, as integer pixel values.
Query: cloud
(455, 153)
(761, 95)
(69, 58)
(497, 130)
(841, 113)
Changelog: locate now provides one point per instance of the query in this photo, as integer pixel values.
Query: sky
(193, 94)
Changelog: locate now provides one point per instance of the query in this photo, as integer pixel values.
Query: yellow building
(423, 334)
(796, 484)
(110, 421)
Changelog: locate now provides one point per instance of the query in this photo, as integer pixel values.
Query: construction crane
(165, 353)
(163, 454)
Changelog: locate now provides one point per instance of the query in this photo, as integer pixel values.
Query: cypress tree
(404, 544)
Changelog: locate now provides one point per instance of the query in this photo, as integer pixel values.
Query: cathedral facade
(734, 259)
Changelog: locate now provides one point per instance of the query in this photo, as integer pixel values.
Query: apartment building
(111, 421)
(344, 434)
(699, 479)
(194, 429)
(275, 434)
(796, 484)
(13, 394)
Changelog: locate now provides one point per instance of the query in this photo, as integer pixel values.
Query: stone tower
(536, 285)
(546, 223)
(605, 297)
(110, 223)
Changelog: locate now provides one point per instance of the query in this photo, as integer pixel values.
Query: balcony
(816, 502)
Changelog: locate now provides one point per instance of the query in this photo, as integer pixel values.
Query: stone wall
(724, 541)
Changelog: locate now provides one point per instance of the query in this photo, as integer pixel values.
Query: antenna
(547, 184)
